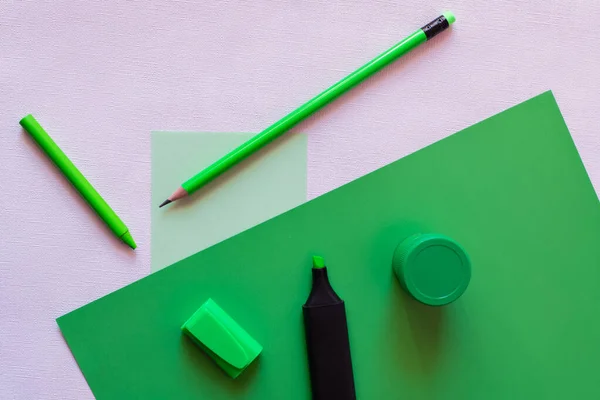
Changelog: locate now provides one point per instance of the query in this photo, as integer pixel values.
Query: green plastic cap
(223, 339)
(449, 17)
(432, 268)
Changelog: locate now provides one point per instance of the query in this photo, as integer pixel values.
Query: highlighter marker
(327, 342)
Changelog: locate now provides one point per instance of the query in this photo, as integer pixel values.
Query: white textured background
(100, 75)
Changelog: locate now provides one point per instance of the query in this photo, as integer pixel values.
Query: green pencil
(286, 123)
(70, 171)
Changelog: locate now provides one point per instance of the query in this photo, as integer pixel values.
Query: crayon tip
(128, 239)
(164, 203)
(318, 262)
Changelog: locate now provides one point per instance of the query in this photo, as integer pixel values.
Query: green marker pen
(70, 171)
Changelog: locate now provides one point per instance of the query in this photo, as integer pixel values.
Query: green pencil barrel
(70, 171)
(304, 111)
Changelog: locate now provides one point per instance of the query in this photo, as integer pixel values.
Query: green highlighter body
(76, 178)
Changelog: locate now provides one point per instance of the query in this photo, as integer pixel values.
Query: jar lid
(433, 268)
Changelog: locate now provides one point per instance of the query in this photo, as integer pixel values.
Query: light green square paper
(263, 186)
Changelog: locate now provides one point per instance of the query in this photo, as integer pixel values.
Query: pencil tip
(164, 203)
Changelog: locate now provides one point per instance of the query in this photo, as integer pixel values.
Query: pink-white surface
(100, 75)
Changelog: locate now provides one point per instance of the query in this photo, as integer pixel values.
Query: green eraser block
(223, 339)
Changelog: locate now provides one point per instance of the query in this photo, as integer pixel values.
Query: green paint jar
(432, 268)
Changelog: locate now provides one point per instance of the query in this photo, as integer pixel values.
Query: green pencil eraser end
(318, 262)
(222, 338)
(449, 17)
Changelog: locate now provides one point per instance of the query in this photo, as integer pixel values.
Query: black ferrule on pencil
(327, 342)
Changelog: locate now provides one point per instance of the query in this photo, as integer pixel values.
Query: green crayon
(70, 171)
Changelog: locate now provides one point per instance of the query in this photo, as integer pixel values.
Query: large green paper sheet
(268, 184)
(511, 189)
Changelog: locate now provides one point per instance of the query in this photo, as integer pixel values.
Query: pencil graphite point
(164, 203)
(180, 193)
